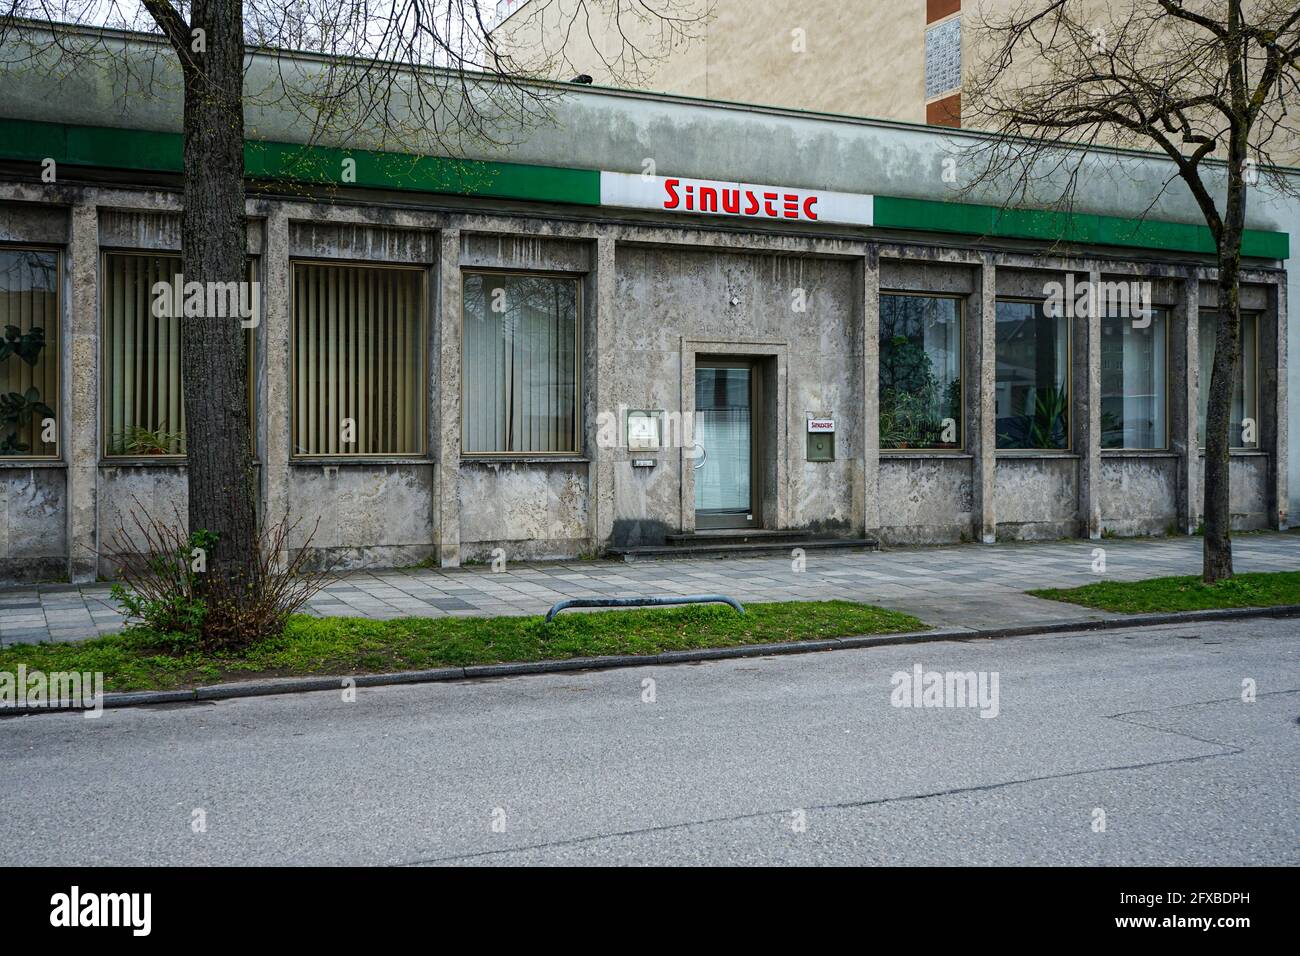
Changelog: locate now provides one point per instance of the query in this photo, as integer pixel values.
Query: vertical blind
(358, 341)
(144, 411)
(521, 367)
(144, 403)
(29, 376)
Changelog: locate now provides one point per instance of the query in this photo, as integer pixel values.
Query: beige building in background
(901, 60)
(897, 60)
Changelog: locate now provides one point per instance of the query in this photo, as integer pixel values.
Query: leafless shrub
(163, 585)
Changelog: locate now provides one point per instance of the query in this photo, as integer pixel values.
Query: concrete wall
(33, 523)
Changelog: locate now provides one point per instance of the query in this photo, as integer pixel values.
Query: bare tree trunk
(1217, 545)
(214, 246)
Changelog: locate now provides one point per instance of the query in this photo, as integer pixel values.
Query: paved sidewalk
(973, 585)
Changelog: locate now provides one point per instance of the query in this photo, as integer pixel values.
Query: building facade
(790, 326)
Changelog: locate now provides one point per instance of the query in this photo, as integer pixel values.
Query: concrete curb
(304, 685)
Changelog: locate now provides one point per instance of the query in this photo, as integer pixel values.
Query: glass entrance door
(726, 450)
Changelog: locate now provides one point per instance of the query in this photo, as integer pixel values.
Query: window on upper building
(943, 58)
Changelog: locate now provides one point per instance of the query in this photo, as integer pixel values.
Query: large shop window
(1033, 362)
(920, 372)
(29, 353)
(144, 413)
(1133, 386)
(358, 360)
(1243, 425)
(521, 365)
(143, 401)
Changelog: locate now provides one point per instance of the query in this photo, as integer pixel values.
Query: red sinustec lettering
(755, 204)
(670, 187)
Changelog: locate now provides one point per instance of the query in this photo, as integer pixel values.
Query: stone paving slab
(978, 586)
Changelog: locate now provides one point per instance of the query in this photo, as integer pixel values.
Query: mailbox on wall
(821, 439)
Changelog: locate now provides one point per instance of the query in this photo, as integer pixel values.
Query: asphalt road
(799, 759)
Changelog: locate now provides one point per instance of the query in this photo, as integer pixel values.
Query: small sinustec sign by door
(708, 197)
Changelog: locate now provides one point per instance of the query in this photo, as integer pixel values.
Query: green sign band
(354, 168)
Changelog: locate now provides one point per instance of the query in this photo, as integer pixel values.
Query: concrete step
(737, 536)
(713, 545)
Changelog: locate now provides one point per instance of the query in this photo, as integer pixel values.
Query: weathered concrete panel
(932, 277)
(533, 253)
(45, 225)
(1025, 283)
(1037, 497)
(372, 514)
(359, 241)
(1248, 498)
(33, 524)
(154, 230)
(153, 493)
(530, 509)
(1253, 298)
(645, 498)
(925, 500)
(1139, 494)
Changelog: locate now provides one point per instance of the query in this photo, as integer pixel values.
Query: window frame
(579, 439)
(961, 373)
(60, 316)
(422, 373)
(1203, 380)
(1168, 313)
(1041, 305)
(105, 456)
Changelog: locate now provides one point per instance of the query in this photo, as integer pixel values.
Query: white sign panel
(821, 425)
(642, 431)
(708, 197)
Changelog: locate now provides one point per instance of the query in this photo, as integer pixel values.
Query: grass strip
(1260, 589)
(138, 659)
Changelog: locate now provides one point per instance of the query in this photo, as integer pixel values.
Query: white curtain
(1245, 384)
(520, 365)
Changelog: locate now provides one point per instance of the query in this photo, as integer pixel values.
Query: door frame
(757, 443)
(772, 358)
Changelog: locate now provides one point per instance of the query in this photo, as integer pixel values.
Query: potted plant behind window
(18, 409)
